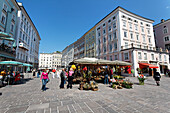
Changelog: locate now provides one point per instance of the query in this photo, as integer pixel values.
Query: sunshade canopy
(10, 63)
(2, 34)
(87, 60)
(144, 65)
(6, 38)
(28, 65)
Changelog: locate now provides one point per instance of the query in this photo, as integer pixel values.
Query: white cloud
(167, 7)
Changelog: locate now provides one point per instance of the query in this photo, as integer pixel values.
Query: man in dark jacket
(157, 77)
(62, 76)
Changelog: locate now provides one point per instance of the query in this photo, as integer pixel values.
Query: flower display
(141, 79)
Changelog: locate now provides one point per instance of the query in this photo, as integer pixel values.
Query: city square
(28, 98)
(84, 56)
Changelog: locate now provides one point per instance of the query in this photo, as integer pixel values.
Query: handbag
(48, 80)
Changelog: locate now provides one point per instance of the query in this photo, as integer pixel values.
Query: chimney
(162, 20)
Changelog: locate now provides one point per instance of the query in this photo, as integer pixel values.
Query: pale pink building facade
(123, 35)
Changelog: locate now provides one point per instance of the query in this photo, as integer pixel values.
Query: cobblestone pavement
(28, 98)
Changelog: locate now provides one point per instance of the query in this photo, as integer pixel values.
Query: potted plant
(141, 79)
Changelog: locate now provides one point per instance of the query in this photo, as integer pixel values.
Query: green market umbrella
(10, 63)
(28, 68)
(9, 39)
(25, 64)
(2, 34)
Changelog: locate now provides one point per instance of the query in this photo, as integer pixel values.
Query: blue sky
(61, 22)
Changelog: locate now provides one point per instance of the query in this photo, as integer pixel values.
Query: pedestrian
(13, 77)
(66, 76)
(58, 74)
(106, 73)
(17, 77)
(53, 73)
(62, 76)
(44, 78)
(70, 78)
(38, 73)
(3, 73)
(157, 77)
(34, 73)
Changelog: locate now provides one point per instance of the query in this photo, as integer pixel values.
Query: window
(126, 45)
(104, 49)
(110, 37)
(104, 58)
(124, 24)
(110, 58)
(165, 31)
(139, 55)
(167, 46)
(23, 36)
(98, 34)
(20, 35)
(104, 39)
(148, 31)
(144, 38)
(110, 47)
(3, 18)
(109, 28)
(152, 56)
(114, 25)
(137, 37)
(103, 25)
(12, 27)
(136, 27)
(142, 29)
(145, 56)
(126, 56)
(115, 57)
(149, 39)
(13, 17)
(166, 38)
(109, 21)
(113, 17)
(104, 31)
(131, 35)
(125, 34)
(5, 7)
(160, 57)
(130, 25)
(115, 46)
(164, 57)
(114, 35)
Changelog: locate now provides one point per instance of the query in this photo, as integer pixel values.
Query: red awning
(144, 65)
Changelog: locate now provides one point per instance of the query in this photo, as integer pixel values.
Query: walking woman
(62, 76)
(70, 78)
(157, 77)
(44, 78)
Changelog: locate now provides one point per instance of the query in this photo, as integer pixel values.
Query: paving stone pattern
(28, 98)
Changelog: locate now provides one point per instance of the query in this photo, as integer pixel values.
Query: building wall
(90, 43)
(50, 60)
(28, 39)
(8, 21)
(162, 31)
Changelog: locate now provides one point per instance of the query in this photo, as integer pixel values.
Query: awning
(144, 65)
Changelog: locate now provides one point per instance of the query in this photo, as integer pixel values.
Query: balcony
(23, 46)
(6, 51)
(137, 46)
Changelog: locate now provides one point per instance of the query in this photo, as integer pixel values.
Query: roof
(124, 10)
(161, 23)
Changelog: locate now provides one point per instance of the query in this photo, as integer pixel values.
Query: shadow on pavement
(23, 81)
